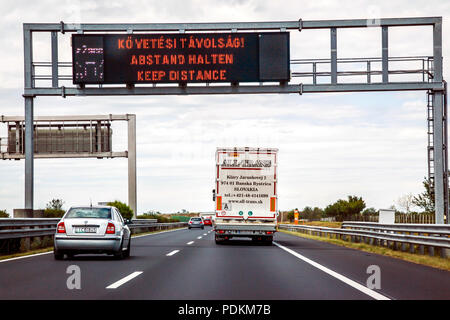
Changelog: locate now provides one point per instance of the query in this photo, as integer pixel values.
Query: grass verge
(435, 262)
(48, 249)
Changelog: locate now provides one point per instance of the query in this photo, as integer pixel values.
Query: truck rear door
(246, 183)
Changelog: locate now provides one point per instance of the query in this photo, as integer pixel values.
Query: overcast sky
(371, 145)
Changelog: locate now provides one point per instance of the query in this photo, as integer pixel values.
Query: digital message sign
(180, 58)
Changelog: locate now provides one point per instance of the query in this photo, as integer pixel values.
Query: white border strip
(117, 284)
(336, 275)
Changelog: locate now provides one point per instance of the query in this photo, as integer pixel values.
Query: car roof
(89, 207)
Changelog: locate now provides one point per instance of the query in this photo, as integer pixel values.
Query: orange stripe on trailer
(272, 204)
(219, 203)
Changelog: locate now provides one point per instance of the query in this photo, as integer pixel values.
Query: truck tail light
(110, 229)
(269, 232)
(221, 231)
(61, 228)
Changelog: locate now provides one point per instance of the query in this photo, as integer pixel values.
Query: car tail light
(110, 229)
(190, 222)
(61, 228)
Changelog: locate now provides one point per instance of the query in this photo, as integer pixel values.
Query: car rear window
(196, 219)
(100, 213)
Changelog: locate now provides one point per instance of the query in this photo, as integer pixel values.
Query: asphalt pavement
(188, 265)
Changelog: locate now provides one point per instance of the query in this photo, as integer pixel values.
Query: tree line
(345, 209)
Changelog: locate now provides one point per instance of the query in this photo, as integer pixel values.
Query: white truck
(245, 194)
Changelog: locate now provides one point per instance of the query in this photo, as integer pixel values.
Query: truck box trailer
(245, 194)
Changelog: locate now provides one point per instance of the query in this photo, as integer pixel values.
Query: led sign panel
(180, 58)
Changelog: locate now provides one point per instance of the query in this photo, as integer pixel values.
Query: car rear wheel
(121, 253)
(128, 252)
(58, 255)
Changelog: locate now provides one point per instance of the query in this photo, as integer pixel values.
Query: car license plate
(86, 230)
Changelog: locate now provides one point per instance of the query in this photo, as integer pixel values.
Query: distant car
(92, 229)
(196, 222)
(207, 221)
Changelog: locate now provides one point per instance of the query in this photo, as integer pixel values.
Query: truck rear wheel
(219, 240)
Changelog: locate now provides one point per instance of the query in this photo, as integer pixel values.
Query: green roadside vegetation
(435, 262)
(161, 218)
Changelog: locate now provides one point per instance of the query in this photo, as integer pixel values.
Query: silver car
(98, 229)
(196, 222)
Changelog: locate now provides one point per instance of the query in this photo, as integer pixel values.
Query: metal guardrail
(411, 235)
(13, 228)
(313, 70)
(401, 227)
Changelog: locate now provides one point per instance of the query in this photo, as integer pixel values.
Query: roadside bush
(160, 218)
(36, 244)
(54, 209)
(4, 214)
(123, 208)
(53, 213)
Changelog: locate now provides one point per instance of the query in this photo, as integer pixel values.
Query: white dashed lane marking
(117, 284)
(172, 253)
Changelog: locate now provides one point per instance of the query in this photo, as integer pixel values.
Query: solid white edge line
(117, 284)
(336, 275)
(26, 256)
(190, 242)
(172, 253)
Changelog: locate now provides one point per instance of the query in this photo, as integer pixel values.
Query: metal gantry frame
(95, 143)
(432, 77)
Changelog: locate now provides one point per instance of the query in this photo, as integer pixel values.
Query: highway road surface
(187, 265)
